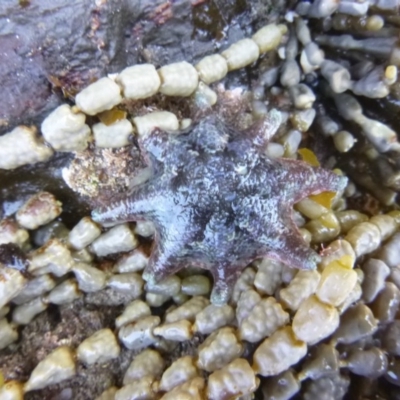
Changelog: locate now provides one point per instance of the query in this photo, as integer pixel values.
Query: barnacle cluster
(281, 332)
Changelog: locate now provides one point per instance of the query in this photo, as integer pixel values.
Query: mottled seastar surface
(218, 202)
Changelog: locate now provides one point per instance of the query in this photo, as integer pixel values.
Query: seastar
(219, 202)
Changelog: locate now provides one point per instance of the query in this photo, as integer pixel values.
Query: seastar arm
(167, 255)
(225, 277)
(155, 144)
(134, 206)
(161, 264)
(306, 179)
(290, 248)
(261, 132)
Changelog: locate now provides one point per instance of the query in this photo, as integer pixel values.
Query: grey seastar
(219, 202)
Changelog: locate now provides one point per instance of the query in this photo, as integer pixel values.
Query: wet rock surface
(50, 48)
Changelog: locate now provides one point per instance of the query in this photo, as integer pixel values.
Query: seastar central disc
(219, 202)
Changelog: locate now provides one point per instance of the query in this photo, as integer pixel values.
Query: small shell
(192, 390)
(212, 68)
(310, 208)
(64, 293)
(290, 73)
(343, 141)
(156, 300)
(349, 219)
(339, 251)
(178, 331)
(39, 210)
(101, 347)
(303, 119)
(302, 96)
(386, 304)
(364, 237)
(268, 276)
(196, 285)
(356, 323)
(178, 79)
(90, 279)
(130, 283)
(338, 77)
(315, 320)
(240, 54)
(134, 261)
(264, 319)
(25, 313)
(163, 120)
(10, 232)
(139, 81)
(281, 387)
(180, 371)
(389, 253)
(187, 310)
(323, 360)
(336, 284)
(147, 363)
(235, 380)
(303, 285)
(133, 312)
(114, 135)
(269, 37)
(11, 284)
(101, 95)
(54, 257)
(36, 287)
(213, 317)
(83, 233)
(139, 335)
(8, 334)
(204, 96)
(247, 301)
(324, 228)
(12, 390)
(56, 367)
(244, 283)
(371, 363)
(387, 225)
(30, 149)
(219, 349)
(145, 228)
(169, 286)
(278, 352)
(118, 239)
(65, 129)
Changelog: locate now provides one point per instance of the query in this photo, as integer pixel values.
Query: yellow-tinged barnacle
(110, 116)
(324, 198)
(346, 261)
(329, 220)
(309, 156)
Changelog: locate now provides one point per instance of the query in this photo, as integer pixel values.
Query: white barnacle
(240, 54)
(178, 79)
(30, 148)
(65, 129)
(139, 81)
(99, 96)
